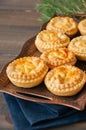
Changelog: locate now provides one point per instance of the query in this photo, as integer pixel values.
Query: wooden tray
(40, 93)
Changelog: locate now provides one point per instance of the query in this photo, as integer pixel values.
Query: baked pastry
(61, 56)
(65, 24)
(27, 72)
(82, 27)
(65, 80)
(78, 47)
(49, 40)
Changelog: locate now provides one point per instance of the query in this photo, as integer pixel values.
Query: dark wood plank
(18, 18)
(17, 35)
(18, 23)
(18, 4)
(16, 27)
(76, 126)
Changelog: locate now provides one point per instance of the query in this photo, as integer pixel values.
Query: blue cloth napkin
(27, 115)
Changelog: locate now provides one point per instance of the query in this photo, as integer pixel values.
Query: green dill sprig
(48, 8)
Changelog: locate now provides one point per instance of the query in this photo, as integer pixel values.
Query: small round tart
(65, 24)
(78, 47)
(49, 40)
(65, 80)
(82, 27)
(61, 56)
(26, 72)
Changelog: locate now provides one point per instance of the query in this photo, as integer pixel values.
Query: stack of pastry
(27, 72)
(66, 25)
(61, 56)
(78, 47)
(58, 53)
(82, 27)
(65, 80)
(51, 40)
(78, 44)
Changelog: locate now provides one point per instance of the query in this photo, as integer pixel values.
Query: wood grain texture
(18, 4)
(40, 93)
(18, 23)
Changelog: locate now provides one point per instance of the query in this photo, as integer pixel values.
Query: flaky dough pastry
(61, 56)
(78, 47)
(82, 27)
(65, 24)
(27, 72)
(65, 80)
(48, 40)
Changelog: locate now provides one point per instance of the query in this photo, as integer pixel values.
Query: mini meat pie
(26, 72)
(65, 24)
(82, 27)
(65, 80)
(61, 56)
(78, 47)
(49, 40)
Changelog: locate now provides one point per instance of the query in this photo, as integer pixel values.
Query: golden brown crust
(48, 40)
(65, 80)
(61, 56)
(66, 25)
(27, 71)
(78, 47)
(82, 27)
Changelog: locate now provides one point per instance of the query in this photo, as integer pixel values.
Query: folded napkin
(27, 115)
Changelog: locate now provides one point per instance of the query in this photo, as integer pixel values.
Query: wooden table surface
(18, 23)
